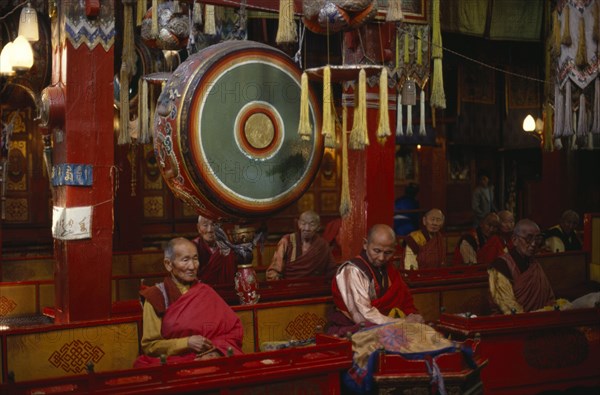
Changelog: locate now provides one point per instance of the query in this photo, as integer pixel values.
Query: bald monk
(368, 289)
(303, 253)
(469, 243)
(501, 242)
(218, 263)
(426, 248)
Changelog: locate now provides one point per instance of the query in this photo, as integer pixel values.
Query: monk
(218, 263)
(517, 281)
(302, 254)
(426, 248)
(184, 319)
(499, 243)
(369, 288)
(562, 237)
(469, 243)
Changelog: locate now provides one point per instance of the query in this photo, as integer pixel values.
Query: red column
(371, 175)
(83, 267)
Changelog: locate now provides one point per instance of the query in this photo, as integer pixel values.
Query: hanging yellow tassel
(143, 113)
(154, 30)
(581, 57)
(210, 26)
(394, 11)
(345, 200)
(328, 128)
(566, 38)
(359, 136)
(304, 125)
(139, 12)
(383, 129)
(329, 140)
(555, 34)
(125, 73)
(286, 28)
(197, 13)
(438, 97)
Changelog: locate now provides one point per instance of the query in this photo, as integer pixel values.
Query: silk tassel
(154, 27)
(568, 122)
(438, 96)
(422, 130)
(394, 11)
(304, 125)
(140, 12)
(383, 128)
(359, 137)
(143, 114)
(197, 13)
(328, 127)
(555, 34)
(582, 124)
(345, 200)
(596, 112)
(286, 27)
(559, 115)
(210, 25)
(409, 127)
(399, 131)
(581, 56)
(566, 36)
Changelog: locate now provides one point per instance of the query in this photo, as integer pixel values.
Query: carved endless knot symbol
(6, 305)
(303, 326)
(73, 357)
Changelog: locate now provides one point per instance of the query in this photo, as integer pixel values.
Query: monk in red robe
(500, 243)
(517, 281)
(302, 254)
(184, 319)
(218, 263)
(368, 290)
(465, 252)
(426, 248)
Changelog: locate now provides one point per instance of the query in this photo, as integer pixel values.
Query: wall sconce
(18, 54)
(532, 126)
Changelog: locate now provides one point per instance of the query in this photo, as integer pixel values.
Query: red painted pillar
(371, 175)
(83, 63)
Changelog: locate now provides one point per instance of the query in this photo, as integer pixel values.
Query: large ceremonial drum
(226, 132)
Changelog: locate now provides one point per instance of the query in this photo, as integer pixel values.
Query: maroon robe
(531, 287)
(496, 246)
(215, 268)
(318, 261)
(430, 255)
(200, 311)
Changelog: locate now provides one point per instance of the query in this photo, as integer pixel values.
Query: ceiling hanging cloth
(576, 69)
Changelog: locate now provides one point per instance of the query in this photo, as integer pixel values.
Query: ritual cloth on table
(410, 340)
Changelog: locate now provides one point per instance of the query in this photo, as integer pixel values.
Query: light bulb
(6, 59)
(529, 124)
(28, 23)
(22, 54)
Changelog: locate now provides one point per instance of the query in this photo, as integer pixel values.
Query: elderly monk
(517, 281)
(426, 248)
(501, 242)
(562, 237)
(469, 243)
(303, 253)
(183, 318)
(368, 290)
(217, 261)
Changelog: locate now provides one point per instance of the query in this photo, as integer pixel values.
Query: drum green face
(230, 120)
